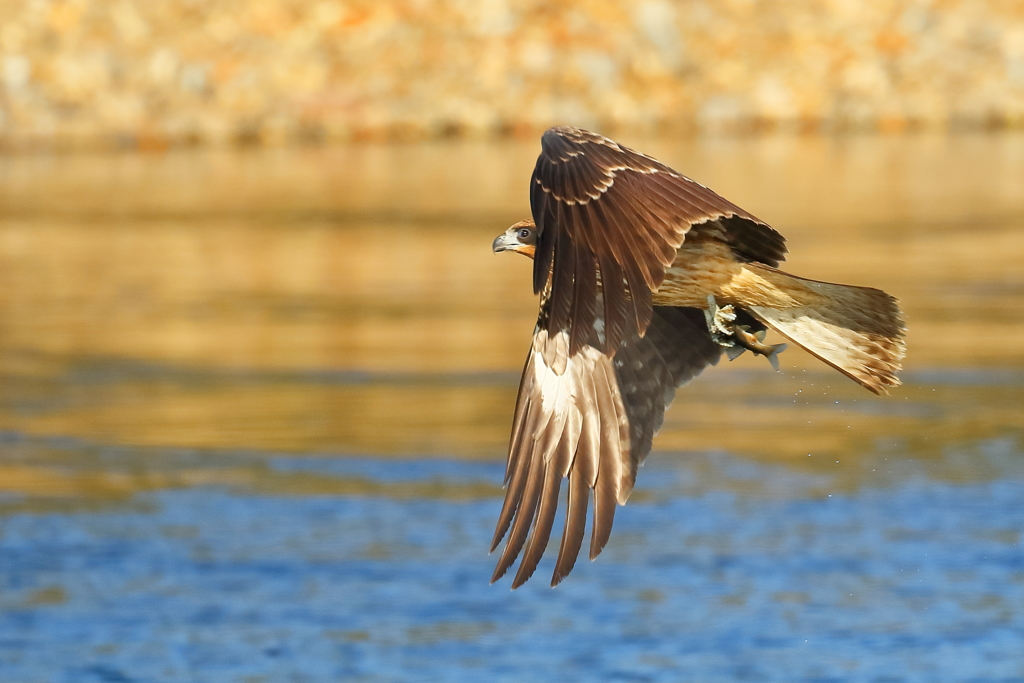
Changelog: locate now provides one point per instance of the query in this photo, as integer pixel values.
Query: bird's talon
(720, 322)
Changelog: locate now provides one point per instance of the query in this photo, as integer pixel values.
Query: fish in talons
(736, 338)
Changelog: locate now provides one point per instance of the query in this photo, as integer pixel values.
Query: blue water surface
(921, 581)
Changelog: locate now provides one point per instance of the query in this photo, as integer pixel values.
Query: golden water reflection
(345, 300)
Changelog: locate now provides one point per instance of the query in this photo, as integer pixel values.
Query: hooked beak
(502, 242)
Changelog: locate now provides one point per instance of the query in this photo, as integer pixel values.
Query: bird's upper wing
(590, 417)
(607, 214)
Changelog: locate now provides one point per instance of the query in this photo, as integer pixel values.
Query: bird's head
(520, 238)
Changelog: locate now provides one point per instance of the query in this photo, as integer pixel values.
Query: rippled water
(253, 408)
(920, 582)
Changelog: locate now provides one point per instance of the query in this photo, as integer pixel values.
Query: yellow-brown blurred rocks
(77, 73)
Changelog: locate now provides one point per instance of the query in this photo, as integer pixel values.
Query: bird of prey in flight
(645, 277)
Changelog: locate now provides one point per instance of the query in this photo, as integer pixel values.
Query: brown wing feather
(590, 417)
(605, 211)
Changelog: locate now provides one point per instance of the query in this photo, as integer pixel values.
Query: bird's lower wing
(589, 417)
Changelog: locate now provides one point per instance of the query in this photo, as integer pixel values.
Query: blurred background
(258, 362)
(137, 74)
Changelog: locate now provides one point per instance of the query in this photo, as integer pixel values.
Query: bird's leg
(738, 338)
(723, 328)
(720, 322)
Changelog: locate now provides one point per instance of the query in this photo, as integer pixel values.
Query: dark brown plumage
(601, 207)
(626, 253)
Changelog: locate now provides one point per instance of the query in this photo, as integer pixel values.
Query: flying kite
(645, 277)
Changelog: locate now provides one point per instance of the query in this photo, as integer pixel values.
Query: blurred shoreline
(87, 74)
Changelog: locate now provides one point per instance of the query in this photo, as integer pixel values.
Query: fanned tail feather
(857, 330)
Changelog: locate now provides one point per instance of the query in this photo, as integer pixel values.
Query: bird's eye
(524, 234)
